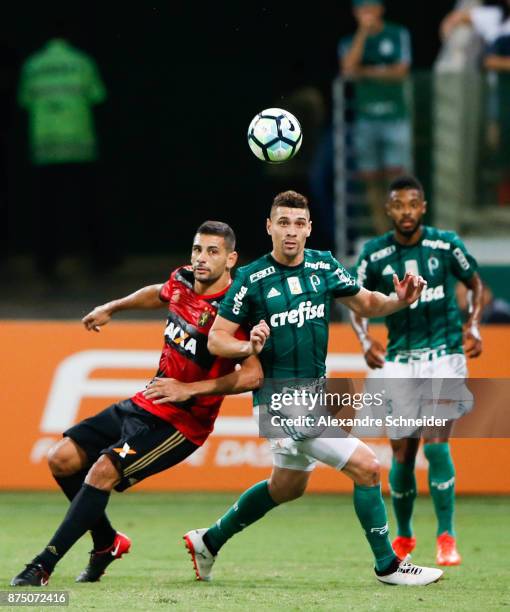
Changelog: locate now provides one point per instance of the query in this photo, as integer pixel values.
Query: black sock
(210, 546)
(103, 533)
(84, 512)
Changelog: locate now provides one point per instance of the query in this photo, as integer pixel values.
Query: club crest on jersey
(204, 318)
(173, 333)
(433, 265)
(315, 281)
(294, 285)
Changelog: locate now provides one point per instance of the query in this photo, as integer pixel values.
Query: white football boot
(202, 558)
(408, 574)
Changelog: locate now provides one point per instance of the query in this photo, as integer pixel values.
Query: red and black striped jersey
(185, 355)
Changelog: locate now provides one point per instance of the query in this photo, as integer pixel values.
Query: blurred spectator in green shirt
(378, 58)
(59, 86)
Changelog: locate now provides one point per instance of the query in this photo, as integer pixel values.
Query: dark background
(183, 84)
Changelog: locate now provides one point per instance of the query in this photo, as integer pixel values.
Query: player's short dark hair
(218, 228)
(290, 199)
(406, 182)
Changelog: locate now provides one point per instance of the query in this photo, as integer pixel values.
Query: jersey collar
(283, 266)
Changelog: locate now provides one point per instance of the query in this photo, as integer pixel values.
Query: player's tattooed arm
(147, 297)
(222, 341)
(472, 337)
(374, 304)
(373, 350)
(246, 377)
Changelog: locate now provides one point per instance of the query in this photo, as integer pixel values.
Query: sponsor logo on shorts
(304, 312)
(125, 450)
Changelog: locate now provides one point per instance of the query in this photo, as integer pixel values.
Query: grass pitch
(307, 555)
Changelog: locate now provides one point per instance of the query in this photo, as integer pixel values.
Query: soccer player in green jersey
(285, 295)
(424, 341)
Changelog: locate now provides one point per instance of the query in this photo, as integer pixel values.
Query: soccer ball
(275, 135)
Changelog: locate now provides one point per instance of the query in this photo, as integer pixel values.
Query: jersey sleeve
(236, 304)
(342, 283)
(464, 265)
(364, 271)
(166, 291)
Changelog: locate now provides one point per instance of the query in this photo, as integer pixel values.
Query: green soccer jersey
(376, 98)
(58, 87)
(433, 321)
(295, 303)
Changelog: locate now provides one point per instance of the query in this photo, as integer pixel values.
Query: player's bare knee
(281, 495)
(103, 474)
(64, 458)
(281, 490)
(370, 473)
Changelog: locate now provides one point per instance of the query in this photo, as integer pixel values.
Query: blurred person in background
(489, 21)
(494, 309)
(497, 61)
(59, 86)
(378, 58)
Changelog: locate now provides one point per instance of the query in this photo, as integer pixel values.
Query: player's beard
(407, 232)
(210, 280)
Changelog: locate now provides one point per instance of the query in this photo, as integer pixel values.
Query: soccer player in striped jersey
(286, 296)
(157, 428)
(424, 341)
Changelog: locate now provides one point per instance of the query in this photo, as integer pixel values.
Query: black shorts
(139, 443)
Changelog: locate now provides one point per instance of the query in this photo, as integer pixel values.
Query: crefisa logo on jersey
(304, 312)
(238, 300)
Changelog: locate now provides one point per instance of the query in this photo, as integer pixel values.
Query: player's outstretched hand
(258, 336)
(95, 319)
(163, 390)
(472, 341)
(409, 289)
(374, 356)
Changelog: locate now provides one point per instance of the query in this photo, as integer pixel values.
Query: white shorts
(304, 454)
(446, 398)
